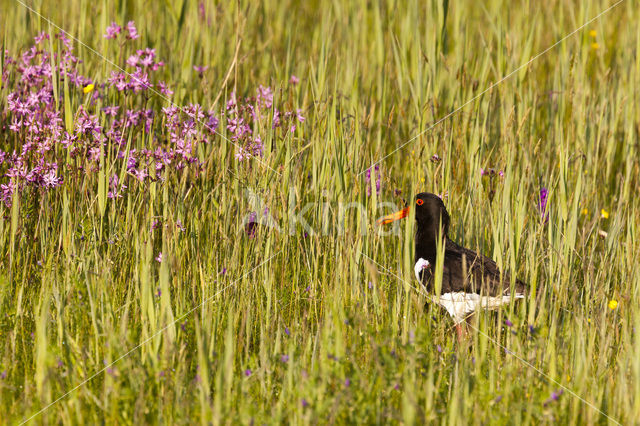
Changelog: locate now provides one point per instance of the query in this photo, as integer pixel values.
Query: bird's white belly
(460, 305)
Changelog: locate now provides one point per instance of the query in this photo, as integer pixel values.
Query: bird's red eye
(419, 202)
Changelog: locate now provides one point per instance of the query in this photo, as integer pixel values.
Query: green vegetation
(304, 328)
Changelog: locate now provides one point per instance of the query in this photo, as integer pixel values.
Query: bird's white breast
(460, 304)
(419, 266)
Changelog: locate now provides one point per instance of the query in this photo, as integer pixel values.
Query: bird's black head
(432, 223)
(431, 212)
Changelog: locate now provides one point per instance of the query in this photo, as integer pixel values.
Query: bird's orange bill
(394, 216)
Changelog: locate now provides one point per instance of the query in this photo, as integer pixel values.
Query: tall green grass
(80, 286)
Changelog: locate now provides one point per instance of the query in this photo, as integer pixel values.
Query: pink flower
(294, 80)
(50, 180)
(111, 110)
(40, 37)
(113, 30)
(276, 119)
(265, 97)
(132, 60)
(118, 80)
(164, 89)
(200, 69)
(133, 32)
(140, 81)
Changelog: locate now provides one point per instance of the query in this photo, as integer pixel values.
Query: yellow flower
(604, 214)
(585, 211)
(613, 304)
(593, 33)
(88, 88)
(595, 46)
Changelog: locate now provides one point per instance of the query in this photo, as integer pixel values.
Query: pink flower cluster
(243, 118)
(36, 131)
(46, 143)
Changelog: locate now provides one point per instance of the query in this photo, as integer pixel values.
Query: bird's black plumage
(464, 270)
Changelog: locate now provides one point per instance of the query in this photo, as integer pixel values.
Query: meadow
(188, 196)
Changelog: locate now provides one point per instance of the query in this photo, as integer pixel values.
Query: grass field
(187, 234)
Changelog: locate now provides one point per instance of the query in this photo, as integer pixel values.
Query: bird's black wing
(468, 271)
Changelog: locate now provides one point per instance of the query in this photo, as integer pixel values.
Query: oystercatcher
(470, 281)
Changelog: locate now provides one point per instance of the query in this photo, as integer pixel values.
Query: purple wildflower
(284, 358)
(133, 60)
(264, 99)
(50, 180)
(276, 119)
(164, 89)
(133, 32)
(554, 397)
(41, 37)
(159, 259)
(542, 204)
(508, 323)
(110, 110)
(294, 80)
(247, 372)
(347, 382)
(200, 69)
(113, 30)
(250, 227)
(304, 403)
(378, 177)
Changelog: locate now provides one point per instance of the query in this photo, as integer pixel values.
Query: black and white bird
(470, 281)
